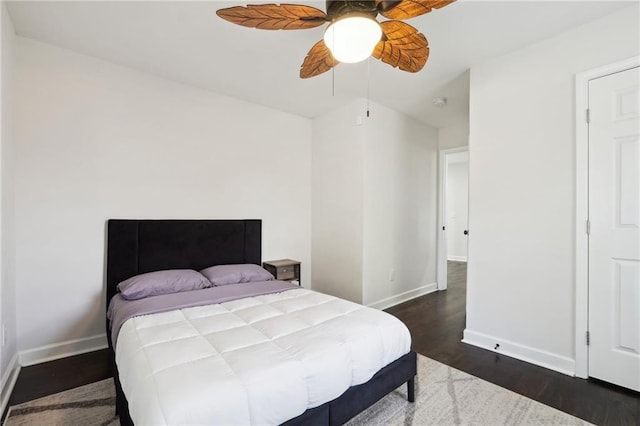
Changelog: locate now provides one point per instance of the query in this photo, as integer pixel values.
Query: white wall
(7, 216)
(97, 141)
(453, 136)
(521, 284)
(374, 205)
(457, 194)
(400, 207)
(337, 210)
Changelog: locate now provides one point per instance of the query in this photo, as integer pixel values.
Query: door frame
(441, 267)
(582, 206)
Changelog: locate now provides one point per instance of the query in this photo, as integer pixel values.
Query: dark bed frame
(138, 246)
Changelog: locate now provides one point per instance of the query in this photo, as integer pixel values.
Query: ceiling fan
(353, 33)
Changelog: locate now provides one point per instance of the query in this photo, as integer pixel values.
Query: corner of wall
(8, 355)
(399, 208)
(8, 381)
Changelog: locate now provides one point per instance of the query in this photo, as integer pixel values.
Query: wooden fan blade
(402, 46)
(405, 9)
(274, 17)
(318, 60)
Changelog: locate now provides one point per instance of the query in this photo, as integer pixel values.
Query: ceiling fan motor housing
(353, 33)
(339, 8)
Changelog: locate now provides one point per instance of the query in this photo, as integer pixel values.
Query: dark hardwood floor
(436, 322)
(63, 374)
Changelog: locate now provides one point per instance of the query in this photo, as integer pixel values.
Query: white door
(614, 240)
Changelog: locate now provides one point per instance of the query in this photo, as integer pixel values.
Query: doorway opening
(453, 218)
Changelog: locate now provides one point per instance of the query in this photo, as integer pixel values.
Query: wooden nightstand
(284, 269)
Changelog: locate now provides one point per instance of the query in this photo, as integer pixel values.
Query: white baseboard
(8, 381)
(528, 354)
(457, 258)
(62, 349)
(403, 297)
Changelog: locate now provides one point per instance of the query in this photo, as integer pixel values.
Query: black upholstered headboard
(138, 246)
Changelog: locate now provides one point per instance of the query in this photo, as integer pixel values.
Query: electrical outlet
(392, 274)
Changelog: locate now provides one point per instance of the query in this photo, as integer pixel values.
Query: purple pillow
(162, 282)
(233, 274)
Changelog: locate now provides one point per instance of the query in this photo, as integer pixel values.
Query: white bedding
(258, 360)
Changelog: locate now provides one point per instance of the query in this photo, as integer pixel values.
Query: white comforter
(258, 360)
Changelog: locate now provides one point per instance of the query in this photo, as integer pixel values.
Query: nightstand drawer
(286, 272)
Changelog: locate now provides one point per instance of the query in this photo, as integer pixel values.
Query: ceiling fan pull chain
(333, 82)
(368, 84)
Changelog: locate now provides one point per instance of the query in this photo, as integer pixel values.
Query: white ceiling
(187, 42)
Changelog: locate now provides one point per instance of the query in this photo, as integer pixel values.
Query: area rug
(444, 396)
(92, 404)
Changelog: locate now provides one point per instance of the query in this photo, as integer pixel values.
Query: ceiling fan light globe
(353, 38)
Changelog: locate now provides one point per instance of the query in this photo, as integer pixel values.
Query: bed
(140, 246)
